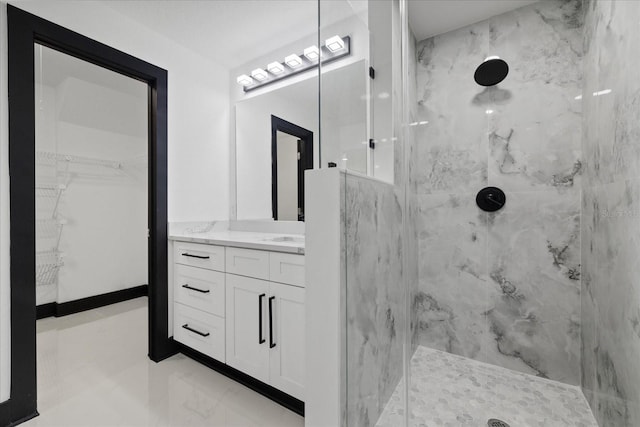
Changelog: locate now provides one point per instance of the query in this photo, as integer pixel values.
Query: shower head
(491, 72)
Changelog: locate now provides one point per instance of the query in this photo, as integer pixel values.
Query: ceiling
(428, 18)
(234, 32)
(91, 96)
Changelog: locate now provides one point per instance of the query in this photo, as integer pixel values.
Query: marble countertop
(290, 243)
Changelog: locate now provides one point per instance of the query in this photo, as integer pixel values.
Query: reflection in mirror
(292, 154)
(296, 104)
(344, 132)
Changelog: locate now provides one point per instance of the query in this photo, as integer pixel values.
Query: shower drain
(496, 423)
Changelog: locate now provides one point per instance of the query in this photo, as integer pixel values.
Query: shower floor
(449, 390)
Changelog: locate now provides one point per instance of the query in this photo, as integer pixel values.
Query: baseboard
(46, 310)
(280, 397)
(89, 303)
(5, 415)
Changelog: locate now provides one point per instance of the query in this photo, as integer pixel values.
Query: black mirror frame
(306, 136)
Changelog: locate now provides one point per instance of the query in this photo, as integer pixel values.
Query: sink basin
(285, 239)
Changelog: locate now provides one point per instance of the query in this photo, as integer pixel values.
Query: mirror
(291, 155)
(269, 177)
(260, 194)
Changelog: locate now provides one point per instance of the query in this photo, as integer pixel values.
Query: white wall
(198, 103)
(198, 124)
(105, 240)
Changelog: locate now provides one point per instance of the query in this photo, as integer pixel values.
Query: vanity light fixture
(275, 68)
(259, 74)
(335, 48)
(312, 53)
(293, 61)
(334, 43)
(244, 80)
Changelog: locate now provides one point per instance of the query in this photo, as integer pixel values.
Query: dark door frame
(24, 31)
(305, 162)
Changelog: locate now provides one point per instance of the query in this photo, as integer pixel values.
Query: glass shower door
(362, 134)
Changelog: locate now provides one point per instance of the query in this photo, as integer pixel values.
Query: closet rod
(70, 158)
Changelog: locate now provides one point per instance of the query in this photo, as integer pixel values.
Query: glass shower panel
(373, 210)
(91, 179)
(344, 111)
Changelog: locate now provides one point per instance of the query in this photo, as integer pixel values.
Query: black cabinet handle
(202, 334)
(271, 343)
(204, 291)
(260, 338)
(195, 256)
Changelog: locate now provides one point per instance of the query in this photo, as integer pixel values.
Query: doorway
(26, 32)
(291, 155)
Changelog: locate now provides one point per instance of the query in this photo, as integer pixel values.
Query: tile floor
(449, 390)
(93, 370)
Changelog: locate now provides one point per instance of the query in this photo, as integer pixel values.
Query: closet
(91, 183)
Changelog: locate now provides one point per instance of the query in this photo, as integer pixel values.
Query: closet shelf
(49, 190)
(47, 266)
(90, 161)
(49, 228)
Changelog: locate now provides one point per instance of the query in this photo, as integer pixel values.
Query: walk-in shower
(471, 307)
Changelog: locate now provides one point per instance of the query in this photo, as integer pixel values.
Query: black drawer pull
(204, 291)
(202, 334)
(260, 337)
(271, 343)
(195, 256)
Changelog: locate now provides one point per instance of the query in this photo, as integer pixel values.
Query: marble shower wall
(375, 295)
(502, 288)
(611, 213)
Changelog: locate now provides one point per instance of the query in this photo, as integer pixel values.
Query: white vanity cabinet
(287, 356)
(265, 332)
(247, 327)
(265, 318)
(245, 308)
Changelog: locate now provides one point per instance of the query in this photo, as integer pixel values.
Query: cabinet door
(287, 359)
(247, 343)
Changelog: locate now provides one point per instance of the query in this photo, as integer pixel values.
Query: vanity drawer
(201, 331)
(286, 268)
(199, 288)
(198, 255)
(248, 262)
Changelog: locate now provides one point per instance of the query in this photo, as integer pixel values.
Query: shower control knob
(490, 199)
